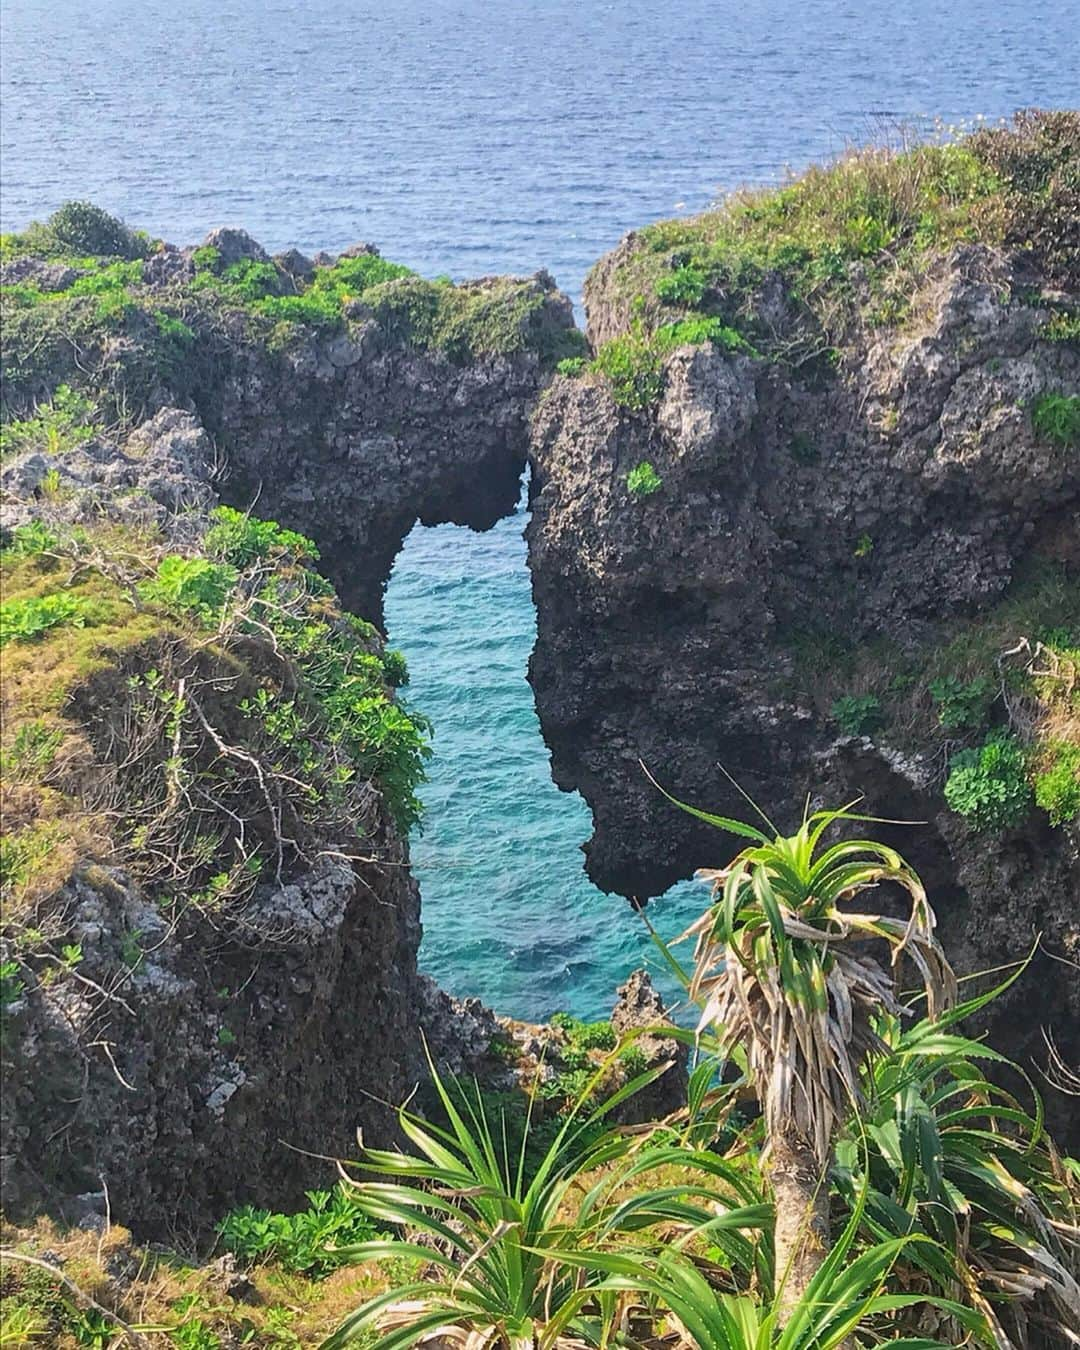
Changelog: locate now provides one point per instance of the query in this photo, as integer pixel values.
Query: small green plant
(685, 286)
(71, 955)
(988, 786)
(240, 539)
(572, 365)
(1057, 788)
(190, 583)
(31, 540)
(11, 986)
(962, 705)
(65, 421)
(864, 546)
(643, 480)
(226, 1036)
(1056, 417)
(395, 668)
(308, 1243)
(24, 620)
(803, 450)
(131, 952)
(31, 751)
(195, 1334)
(858, 714)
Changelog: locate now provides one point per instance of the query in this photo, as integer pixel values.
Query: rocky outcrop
(812, 535)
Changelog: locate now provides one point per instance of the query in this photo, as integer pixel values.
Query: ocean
(468, 137)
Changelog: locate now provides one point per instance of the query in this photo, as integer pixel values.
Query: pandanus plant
(781, 969)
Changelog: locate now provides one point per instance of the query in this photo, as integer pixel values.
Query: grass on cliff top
(500, 316)
(850, 242)
(156, 706)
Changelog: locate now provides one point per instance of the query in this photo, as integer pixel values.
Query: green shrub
(81, 228)
(190, 583)
(572, 365)
(963, 705)
(299, 1242)
(643, 480)
(1057, 788)
(240, 539)
(988, 786)
(685, 286)
(62, 423)
(23, 620)
(1056, 417)
(634, 362)
(395, 669)
(858, 714)
(11, 986)
(31, 540)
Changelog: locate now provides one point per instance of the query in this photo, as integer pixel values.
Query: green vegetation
(988, 786)
(634, 363)
(63, 422)
(1057, 787)
(858, 714)
(963, 705)
(310, 706)
(75, 230)
(1056, 417)
(643, 480)
(308, 1243)
(851, 242)
(24, 620)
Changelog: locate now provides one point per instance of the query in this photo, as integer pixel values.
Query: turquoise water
(468, 137)
(509, 915)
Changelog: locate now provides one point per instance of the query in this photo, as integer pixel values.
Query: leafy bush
(685, 286)
(858, 714)
(190, 583)
(988, 786)
(572, 365)
(62, 423)
(1056, 417)
(24, 620)
(11, 986)
(31, 540)
(299, 1242)
(963, 705)
(240, 539)
(1057, 787)
(643, 480)
(395, 669)
(634, 362)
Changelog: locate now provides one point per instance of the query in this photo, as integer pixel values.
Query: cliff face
(821, 559)
(210, 927)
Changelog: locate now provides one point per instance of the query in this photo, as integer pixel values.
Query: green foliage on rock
(848, 244)
(309, 1243)
(1057, 786)
(1056, 417)
(962, 704)
(858, 714)
(24, 620)
(77, 229)
(988, 786)
(643, 480)
(64, 421)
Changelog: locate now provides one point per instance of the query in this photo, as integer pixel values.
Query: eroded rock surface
(803, 525)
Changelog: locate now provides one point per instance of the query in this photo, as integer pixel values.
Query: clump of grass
(1056, 417)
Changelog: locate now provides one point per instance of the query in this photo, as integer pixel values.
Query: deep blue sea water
(468, 137)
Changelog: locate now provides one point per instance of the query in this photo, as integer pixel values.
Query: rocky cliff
(210, 927)
(809, 523)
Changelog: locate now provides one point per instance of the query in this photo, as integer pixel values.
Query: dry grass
(161, 1293)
